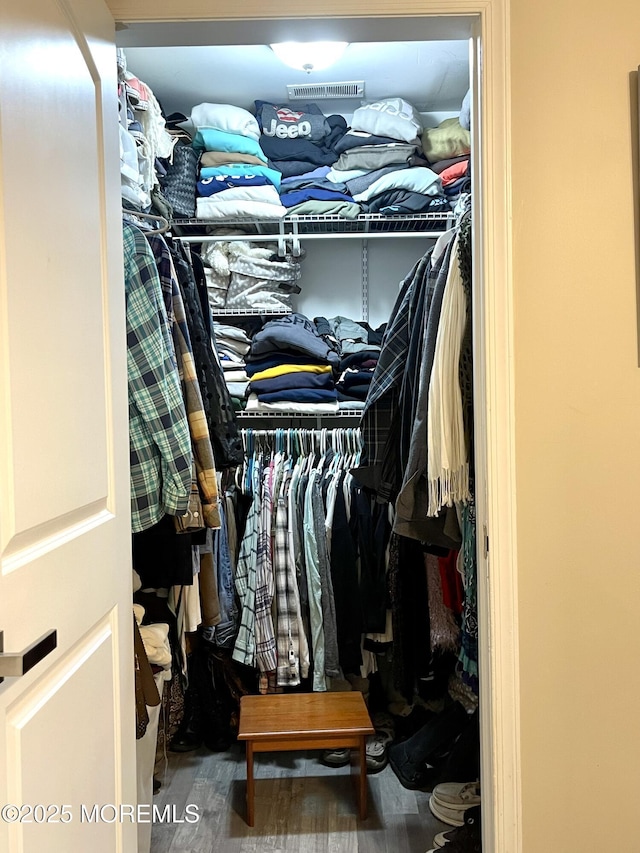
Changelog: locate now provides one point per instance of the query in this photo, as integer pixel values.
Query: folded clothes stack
(381, 162)
(359, 348)
(447, 148)
(296, 141)
(291, 368)
(233, 345)
(313, 193)
(235, 179)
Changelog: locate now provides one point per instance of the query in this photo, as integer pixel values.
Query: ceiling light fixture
(309, 56)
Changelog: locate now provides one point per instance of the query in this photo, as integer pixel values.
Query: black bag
(179, 184)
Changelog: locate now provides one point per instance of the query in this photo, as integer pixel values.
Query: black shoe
(466, 838)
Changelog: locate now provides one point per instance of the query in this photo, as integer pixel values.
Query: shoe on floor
(441, 839)
(454, 817)
(335, 757)
(377, 744)
(463, 839)
(457, 795)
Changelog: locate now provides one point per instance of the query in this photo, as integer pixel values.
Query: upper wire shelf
(366, 224)
(341, 413)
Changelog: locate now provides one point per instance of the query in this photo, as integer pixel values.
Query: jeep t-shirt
(285, 122)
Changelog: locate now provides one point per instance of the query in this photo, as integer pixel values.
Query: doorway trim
(493, 361)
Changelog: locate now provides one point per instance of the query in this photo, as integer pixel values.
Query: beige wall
(577, 411)
(578, 421)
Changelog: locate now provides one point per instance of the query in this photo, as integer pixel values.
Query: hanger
(128, 214)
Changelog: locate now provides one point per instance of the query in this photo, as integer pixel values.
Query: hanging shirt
(159, 440)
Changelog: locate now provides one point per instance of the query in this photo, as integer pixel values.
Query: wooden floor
(301, 806)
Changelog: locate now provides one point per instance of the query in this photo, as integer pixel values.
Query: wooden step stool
(282, 722)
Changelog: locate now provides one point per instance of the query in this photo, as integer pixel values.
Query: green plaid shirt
(159, 440)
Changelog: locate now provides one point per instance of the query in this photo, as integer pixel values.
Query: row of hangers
(340, 449)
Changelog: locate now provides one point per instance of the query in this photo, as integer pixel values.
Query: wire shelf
(366, 224)
(244, 312)
(342, 413)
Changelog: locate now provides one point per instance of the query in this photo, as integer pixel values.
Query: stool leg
(250, 785)
(362, 794)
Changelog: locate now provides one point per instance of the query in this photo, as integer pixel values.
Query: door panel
(64, 491)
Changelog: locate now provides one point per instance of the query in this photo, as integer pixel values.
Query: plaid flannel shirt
(288, 609)
(265, 634)
(381, 419)
(244, 650)
(159, 441)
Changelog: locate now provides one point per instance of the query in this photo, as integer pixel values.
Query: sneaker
(452, 816)
(463, 839)
(336, 757)
(457, 795)
(377, 744)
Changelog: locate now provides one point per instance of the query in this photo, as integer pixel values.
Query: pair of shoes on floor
(378, 744)
(450, 800)
(376, 747)
(463, 839)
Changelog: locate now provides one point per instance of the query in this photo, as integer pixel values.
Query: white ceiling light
(309, 56)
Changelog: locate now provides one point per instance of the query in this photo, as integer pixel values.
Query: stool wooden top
(298, 714)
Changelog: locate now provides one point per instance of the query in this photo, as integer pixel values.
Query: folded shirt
(241, 169)
(322, 153)
(255, 365)
(357, 138)
(300, 395)
(255, 405)
(210, 139)
(293, 332)
(315, 174)
(283, 369)
(265, 194)
(290, 199)
(418, 179)
(343, 209)
(225, 158)
(359, 358)
(211, 186)
(352, 376)
(237, 389)
(292, 380)
(377, 156)
(405, 203)
(235, 376)
(224, 117)
(217, 207)
(286, 122)
(453, 172)
(393, 117)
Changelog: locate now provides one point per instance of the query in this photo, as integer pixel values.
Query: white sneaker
(454, 817)
(457, 795)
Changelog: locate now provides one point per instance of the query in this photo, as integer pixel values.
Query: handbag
(146, 690)
(179, 184)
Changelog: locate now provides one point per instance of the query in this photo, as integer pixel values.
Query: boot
(414, 759)
(188, 736)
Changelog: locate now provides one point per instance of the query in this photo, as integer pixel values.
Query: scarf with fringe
(448, 462)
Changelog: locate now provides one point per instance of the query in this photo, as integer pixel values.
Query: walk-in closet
(299, 281)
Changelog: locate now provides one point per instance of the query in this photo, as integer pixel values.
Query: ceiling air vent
(319, 91)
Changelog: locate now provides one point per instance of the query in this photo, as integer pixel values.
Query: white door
(66, 726)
